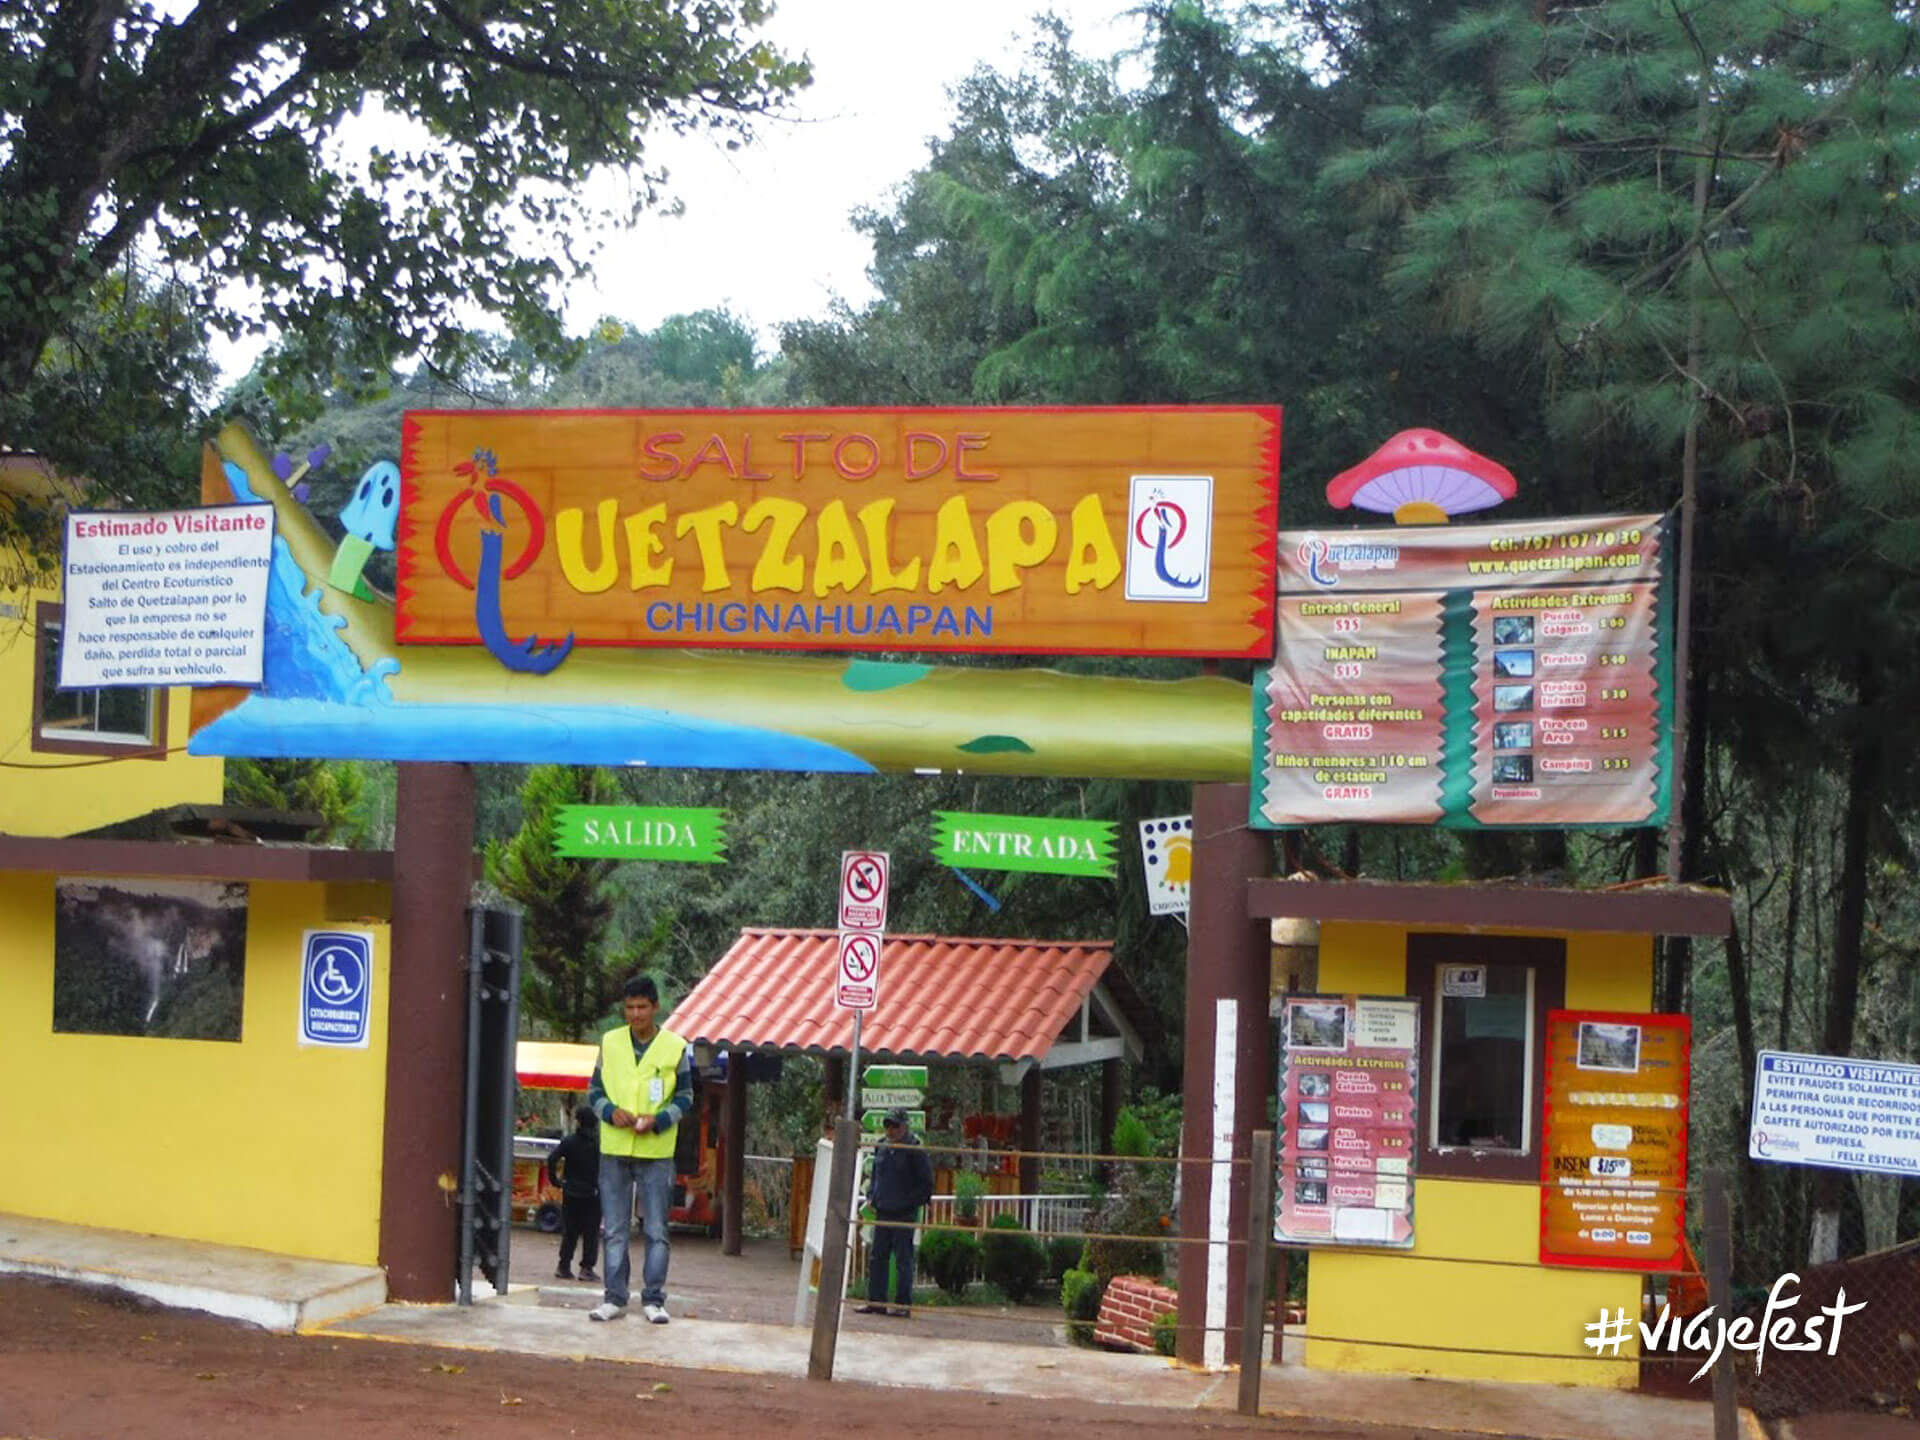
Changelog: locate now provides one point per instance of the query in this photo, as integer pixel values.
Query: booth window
(1483, 1069)
(111, 720)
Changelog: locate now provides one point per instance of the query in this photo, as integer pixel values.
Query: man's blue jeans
(619, 1175)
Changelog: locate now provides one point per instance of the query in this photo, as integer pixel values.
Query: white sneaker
(656, 1314)
(606, 1310)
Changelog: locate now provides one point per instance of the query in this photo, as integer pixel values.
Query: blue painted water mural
(318, 702)
(512, 735)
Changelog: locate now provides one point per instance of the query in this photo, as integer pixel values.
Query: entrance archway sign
(1023, 539)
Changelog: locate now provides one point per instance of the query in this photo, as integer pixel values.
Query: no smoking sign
(859, 983)
(863, 915)
(863, 890)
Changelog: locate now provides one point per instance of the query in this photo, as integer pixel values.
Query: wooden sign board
(1122, 531)
(1614, 1163)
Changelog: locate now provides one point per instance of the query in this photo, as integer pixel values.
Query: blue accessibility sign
(336, 988)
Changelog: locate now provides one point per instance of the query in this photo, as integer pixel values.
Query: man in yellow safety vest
(642, 1089)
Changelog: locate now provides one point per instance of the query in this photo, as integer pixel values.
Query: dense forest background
(1649, 256)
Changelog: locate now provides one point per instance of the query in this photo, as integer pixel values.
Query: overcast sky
(765, 229)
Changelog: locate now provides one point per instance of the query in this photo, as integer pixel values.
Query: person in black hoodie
(574, 1166)
(902, 1182)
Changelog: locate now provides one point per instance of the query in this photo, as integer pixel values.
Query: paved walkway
(734, 1314)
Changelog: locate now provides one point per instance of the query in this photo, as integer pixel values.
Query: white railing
(1042, 1214)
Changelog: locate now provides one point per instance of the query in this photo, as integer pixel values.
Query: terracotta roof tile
(940, 998)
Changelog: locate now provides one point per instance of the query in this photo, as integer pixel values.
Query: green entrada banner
(641, 832)
(1470, 676)
(1024, 842)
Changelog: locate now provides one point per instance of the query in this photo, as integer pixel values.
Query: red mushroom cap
(1422, 465)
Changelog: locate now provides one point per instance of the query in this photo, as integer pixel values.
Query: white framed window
(119, 720)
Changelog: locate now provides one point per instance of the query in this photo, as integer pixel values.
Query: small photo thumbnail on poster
(1609, 1047)
(1309, 1192)
(1513, 697)
(1315, 1085)
(1317, 1026)
(1513, 769)
(1513, 664)
(1314, 1112)
(1311, 1169)
(1313, 1139)
(1513, 735)
(1513, 630)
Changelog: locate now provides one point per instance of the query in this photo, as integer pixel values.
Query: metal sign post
(853, 1064)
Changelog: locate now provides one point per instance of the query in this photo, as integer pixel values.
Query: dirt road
(85, 1364)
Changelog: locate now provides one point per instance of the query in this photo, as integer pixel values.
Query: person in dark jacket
(574, 1166)
(902, 1182)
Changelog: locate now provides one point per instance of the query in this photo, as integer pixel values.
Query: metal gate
(486, 1164)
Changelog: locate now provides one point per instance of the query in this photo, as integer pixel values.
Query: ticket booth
(1474, 1286)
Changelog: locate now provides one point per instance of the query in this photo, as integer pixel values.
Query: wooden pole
(427, 1066)
(1227, 1073)
(1029, 1135)
(833, 1251)
(1726, 1410)
(733, 1137)
(1253, 1305)
(1109, 1112)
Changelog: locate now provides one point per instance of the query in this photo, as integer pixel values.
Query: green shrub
(1063, 1254)
(1080, 1298)
(952, 1258)
(1166, 1332)
(1130, 1134)
(1011, 1258)
(1138, 1203)
(967, 1190)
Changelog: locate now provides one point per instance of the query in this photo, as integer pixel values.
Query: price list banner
(1345, 1167)
(1613, 1168)
(1469, 676)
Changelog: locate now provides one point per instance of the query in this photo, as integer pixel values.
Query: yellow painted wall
(1448, 1291)
(43, 794)
(263, 1143)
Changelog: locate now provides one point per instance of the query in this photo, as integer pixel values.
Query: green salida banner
(1024, 842)
(641, 832)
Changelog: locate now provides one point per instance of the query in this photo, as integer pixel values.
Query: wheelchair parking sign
(336, 985)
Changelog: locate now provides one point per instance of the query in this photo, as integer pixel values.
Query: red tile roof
(940, 998)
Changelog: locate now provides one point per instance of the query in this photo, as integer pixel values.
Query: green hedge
(1080, 1298)
(1011, 1258)
(952, 1258)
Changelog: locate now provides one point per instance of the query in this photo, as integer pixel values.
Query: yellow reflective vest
(640, 1087)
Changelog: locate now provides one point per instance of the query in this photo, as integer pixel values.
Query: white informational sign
(1468, 982)
(859, 983)
(1842, 1113)
(336, 988)
(173, 598)
(863, 890)
(890, 1099)
(1166, 857)
(1170, 537)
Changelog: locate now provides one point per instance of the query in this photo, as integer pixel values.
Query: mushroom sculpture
(370, 517)
(1421, 477)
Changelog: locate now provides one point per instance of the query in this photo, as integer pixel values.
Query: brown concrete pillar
(426, 1031)
(1226, 1020)
(733, 1142)
(1030, 1131)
